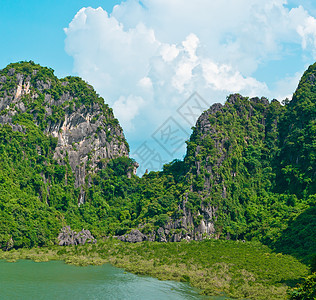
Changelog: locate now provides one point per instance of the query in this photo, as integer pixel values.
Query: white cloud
(145, 83)
(146, 58)
(169, 52)
(106, 54)
(224, 78)
(127, 108)
(307, 31)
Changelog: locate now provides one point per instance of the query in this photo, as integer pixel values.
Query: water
(55, 280)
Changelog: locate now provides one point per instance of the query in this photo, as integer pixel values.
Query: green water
(55, 280)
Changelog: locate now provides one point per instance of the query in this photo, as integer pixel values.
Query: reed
(239, 270)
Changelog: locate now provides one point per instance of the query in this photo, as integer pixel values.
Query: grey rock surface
(88, 136)
(135, 236)
(68, 237)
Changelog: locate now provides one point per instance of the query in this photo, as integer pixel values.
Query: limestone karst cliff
(87, 133)
(249, 170)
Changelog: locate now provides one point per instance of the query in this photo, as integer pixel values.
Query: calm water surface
(55, 280)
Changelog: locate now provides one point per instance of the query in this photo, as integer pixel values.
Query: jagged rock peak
(87, 133)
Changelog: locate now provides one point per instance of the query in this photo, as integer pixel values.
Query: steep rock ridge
(298, 134)
(229, 160)
(246, 155)
(87, 133)
(224, 131)
(226, 154)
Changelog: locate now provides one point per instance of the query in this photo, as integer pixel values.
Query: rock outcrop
(68, 237)
(135, 236)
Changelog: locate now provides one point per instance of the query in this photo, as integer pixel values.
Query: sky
(160, 63)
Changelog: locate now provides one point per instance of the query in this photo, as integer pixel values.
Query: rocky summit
(87, 134)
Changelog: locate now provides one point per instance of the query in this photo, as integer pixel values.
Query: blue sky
(155, 61)
(33, 30)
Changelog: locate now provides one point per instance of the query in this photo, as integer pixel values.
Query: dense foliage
(254, 166)
(29, 213)
(246, 270)
(306, 290)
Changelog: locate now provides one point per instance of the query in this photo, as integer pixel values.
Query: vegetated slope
(249, 171)
(238, 166)
(67, 109)
(253, 162)
(297, 159)
(235, 181)
(54, 134)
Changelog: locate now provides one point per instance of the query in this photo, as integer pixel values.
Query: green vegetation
(250, 162)
(256, 166)
(242, 270)
(26, 218)
(305, 290)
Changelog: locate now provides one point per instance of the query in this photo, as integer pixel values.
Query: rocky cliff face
(230, 146)
(248, 162)
(87, 133)
(229, 160)
(224, 131)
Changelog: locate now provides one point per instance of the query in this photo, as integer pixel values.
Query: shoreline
(236, 269)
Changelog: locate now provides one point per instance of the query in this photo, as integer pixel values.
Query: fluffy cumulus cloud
(307, 31)
(146, 58)
(127, 108)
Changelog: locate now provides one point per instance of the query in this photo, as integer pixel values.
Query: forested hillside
(249, 172)
(55, 134)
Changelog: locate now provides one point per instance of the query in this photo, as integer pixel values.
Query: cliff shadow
(299, 238)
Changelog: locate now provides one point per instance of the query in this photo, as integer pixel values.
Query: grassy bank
(240, 270)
